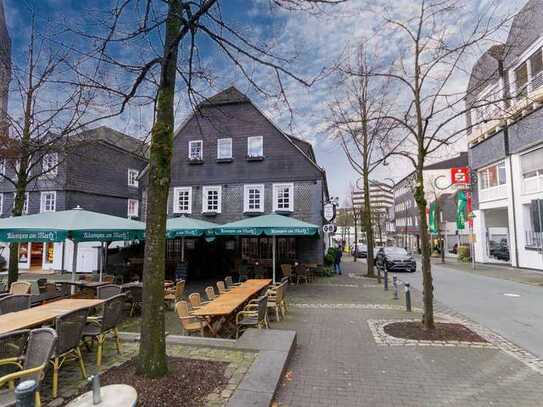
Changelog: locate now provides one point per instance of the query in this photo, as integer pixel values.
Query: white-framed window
(211, 199)
(255, 146)
(133, 208)
(182, 200)
(253, 198)
(283, 197)
(492, 176)
(224, 148)
(48, 201)
(49, 165)
(2, 167)
(133, 177)
(25, 203)
(1, 204)
(196, 150)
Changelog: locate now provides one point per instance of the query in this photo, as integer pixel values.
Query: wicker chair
(276, 300)
(174, 295)
(134, 295)
(210, 292)
(253, 315)
(302, 273)
(39, 348)
(108, 291)
(14, 303)
(107, 323)
(69, 328)
(196, 301)
(20, 287)
(189, 322)
(230, 283)
(221, 287)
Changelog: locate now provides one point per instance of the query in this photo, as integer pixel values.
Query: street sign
(329, 212)
(460, 175)
(329, 228)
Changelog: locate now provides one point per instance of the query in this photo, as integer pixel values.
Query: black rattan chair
(110, 318)
(32, 363)
(108, 291)
(14, 303)
(253, 315)
(69, 328)
(134, 295)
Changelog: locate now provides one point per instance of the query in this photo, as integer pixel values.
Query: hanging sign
(460, 175)
(329, 212)
(329, 228)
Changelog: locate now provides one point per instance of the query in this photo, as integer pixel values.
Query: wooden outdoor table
(230, 301)
(86, 284)
(39, 315)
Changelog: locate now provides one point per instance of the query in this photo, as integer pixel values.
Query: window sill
(284, 211)
(253, 213)
(255, 158)
(195, 162)
(224, 160)
(210, 214)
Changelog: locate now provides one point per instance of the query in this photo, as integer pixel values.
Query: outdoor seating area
(55, 334)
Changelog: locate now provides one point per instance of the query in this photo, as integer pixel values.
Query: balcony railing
(532, 185)
(493, 193)
(534, 240)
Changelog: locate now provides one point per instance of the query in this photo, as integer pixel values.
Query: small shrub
(329, 259)
(325, 271)
(464, 254)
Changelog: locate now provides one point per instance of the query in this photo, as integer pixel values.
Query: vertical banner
(461, 210)
(432, 223)
(470, 210)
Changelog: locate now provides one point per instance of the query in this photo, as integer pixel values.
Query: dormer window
(255, 147)
(196, 150)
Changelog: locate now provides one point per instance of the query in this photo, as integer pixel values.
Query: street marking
(511, 295)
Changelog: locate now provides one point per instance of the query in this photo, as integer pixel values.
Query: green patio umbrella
(188, 227)
(77, 224)
(269, 225)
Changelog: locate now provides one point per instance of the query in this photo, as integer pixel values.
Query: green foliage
(464, 254)
(330, 256)
(325, 271)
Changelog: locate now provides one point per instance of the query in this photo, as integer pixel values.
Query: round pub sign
(329, 212)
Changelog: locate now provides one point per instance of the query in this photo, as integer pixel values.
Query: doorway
(36, 255)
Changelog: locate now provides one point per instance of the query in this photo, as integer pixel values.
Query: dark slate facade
(93, 175)
(285, 159)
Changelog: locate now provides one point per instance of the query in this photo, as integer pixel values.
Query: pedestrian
(337, 260)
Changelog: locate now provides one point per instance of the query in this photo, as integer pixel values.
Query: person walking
(337, 261)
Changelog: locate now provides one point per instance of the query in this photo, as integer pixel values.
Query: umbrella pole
(74, 265)
(182, 249)
(101, 260)
(273, 257)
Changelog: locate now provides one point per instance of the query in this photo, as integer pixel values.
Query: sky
(315, 42)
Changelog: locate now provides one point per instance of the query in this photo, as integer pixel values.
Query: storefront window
(23, 253)
(50, 252)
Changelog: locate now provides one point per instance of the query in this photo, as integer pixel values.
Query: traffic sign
(329, 228)
(460, 175)
(329, 212)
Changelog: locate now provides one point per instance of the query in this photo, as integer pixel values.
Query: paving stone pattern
(337, 361)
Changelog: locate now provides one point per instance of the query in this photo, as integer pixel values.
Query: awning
(188, 227)
(269, 225)
(77, 224)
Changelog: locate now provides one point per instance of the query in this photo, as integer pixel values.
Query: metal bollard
(96, 394)
(385, 272)
(25, 393)
(395, 285)
(408, 297)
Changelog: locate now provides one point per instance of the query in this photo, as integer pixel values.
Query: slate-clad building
(506, 144)
(98, 173)
(231, 162)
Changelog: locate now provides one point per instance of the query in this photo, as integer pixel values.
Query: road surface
(514, 310)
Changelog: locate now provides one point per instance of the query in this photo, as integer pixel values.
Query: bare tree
(429, 109)
(360, 122)
(45, 112)
(162, 68)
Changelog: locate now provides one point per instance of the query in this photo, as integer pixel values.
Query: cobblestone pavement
(71, 383)
(339, 360)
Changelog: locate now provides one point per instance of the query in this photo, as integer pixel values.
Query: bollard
(25, 393)
(408, 297)
(96, 394)
(395, 285)
(385, 272)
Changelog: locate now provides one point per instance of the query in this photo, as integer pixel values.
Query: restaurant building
(99, 173)
(230, 162)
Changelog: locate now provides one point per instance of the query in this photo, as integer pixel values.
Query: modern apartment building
(381, 199)
(506, 144)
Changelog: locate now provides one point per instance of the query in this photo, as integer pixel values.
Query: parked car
(396, 259)
(360, 249)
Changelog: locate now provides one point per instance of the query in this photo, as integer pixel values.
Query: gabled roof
(228, 96)
(115, 138)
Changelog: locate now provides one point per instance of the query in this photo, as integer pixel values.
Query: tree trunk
(355, 234)
(426, 251)
(367, 225)
(18, 207)
(152, 352)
